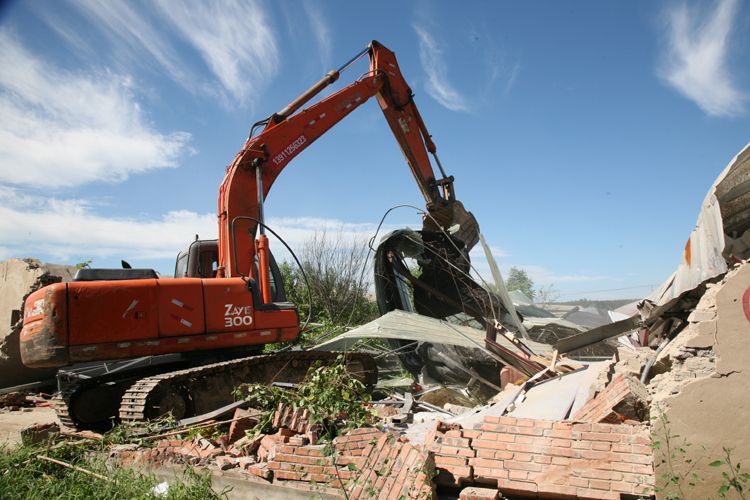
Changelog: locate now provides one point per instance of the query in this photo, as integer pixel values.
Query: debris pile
(516, 456)
(16, 401)
(472, 401)
(553, 427)
(359, 461)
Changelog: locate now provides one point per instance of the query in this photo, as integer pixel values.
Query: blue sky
(583, 135)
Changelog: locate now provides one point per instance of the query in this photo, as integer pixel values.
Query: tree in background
(338, 281)
(519, 280)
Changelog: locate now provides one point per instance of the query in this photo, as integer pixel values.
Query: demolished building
(543, 424)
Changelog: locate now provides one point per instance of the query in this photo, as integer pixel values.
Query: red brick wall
(545, 458)
(366, 462)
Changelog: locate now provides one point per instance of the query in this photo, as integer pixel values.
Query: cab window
(208, 263)
(181, 267)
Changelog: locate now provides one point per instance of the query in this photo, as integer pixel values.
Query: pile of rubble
(357, 462)
(555, 427)
(515, 456)
(20, 401)
(583, 432)
(500, 410)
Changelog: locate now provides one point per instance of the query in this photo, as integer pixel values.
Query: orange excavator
(226, 300)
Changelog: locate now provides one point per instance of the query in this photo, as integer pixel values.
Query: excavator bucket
(450, 215)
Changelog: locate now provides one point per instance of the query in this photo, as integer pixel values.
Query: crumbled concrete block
(698, 316)
(632, 361)
(260, 470)
(299, 440)
(706, 337)
(474, 493)
(225, 462)
(13, 399)
(456, 409)
(245, 445)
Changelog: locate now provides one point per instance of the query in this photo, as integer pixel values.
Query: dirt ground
(11, 423)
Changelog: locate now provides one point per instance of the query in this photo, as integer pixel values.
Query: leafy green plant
(735, 479)
(679, 469)
(264, 398)
(330, 393)
(334, 398)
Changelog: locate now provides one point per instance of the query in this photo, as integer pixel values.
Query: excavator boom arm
(289, 132)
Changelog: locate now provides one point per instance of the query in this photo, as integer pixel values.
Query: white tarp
(401, 325)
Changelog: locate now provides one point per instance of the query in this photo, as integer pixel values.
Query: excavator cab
(201, 260)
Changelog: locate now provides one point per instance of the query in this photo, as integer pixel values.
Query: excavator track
(187, 392)
(195, 391)
(60, 403)
(90, 404)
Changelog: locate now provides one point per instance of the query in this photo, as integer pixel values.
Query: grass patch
(23, 475)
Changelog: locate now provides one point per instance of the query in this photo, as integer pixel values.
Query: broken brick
(260, 470)
(624, 398)
(242, 421)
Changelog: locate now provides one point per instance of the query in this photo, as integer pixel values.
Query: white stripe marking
(130, 308)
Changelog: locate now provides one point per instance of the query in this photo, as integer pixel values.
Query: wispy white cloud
(68, 33)
(67, 228)
(320, 31)
(501, 68)
(33, 225)
(64, 129)
(695, 63)
(134, 37)
(234, 39)
(433, 63)
(511, 78)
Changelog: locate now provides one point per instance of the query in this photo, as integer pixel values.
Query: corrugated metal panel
(726, 209)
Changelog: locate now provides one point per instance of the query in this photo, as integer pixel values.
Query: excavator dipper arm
(289, 132)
